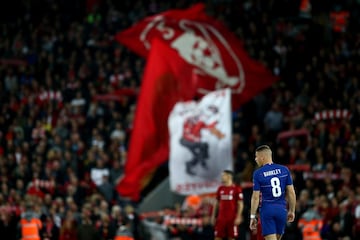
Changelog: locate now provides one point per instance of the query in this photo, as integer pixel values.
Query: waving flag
(217, 56)
(200, 143)
(189, 54)
(166, 80)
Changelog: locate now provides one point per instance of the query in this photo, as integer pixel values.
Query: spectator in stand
(116, 171)
(86, 229)
(8, 223)
(310, 224)
(124, 231)
(98, 172)
(30, 224)
(116, 216)
(156, 228)
(273, 121)
(50, 230)
(68, 230)
(106, 229)
(118, 134)
(345, 220)
(107, 189)
(356, 228)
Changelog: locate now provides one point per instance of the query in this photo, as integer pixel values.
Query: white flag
(200, 143)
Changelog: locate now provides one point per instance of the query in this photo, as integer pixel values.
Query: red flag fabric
(167, 80)
(188, 54)
(216, 54)
(138, 37)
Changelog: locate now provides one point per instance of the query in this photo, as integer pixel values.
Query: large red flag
(167, 80)
(188, 54)
(217, 56)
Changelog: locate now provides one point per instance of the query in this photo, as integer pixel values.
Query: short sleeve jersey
(228, 197)
(271, 180)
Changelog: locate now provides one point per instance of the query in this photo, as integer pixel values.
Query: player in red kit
(230, 207)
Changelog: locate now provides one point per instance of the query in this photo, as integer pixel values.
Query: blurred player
(230, 206)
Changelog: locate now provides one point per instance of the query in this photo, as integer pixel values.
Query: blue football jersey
(271, 180)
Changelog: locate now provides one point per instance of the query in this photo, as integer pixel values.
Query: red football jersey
(228, 197)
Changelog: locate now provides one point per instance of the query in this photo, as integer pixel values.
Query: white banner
(200, 143)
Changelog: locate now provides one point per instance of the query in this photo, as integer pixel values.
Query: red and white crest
(216, 65)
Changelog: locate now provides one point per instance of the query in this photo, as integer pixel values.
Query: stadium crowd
(64, 133)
